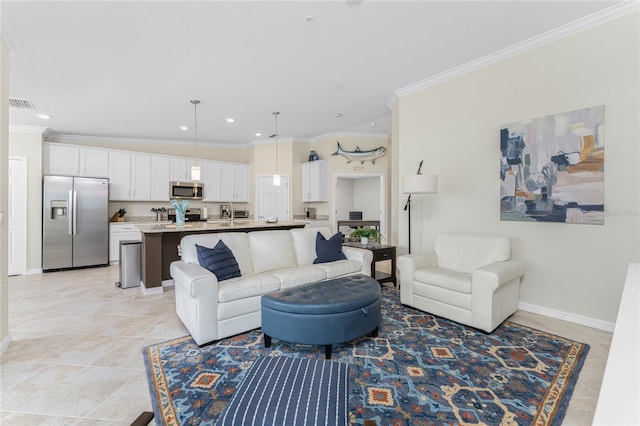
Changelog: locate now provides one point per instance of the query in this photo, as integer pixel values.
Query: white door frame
(383, 200)
(257, 195)
(18, 186)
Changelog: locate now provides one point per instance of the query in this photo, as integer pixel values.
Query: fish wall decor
(361, 156)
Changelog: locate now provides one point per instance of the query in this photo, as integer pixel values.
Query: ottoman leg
(327, 351)
(267, 341)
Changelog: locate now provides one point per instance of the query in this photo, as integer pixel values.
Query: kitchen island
(160, 243)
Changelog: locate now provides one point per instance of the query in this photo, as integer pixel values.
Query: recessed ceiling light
(258, 134)
(339, 114)
(374, 124)
(43, 116)
(230, 120)
(184, 128)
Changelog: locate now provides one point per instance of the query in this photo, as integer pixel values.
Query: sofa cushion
(329, 250)
(271, 250)
(219, 260)
(238, 243)
(340, 267)
(304, 243)
(465, 253)
(293, 277)
(444, 278)
(244, 287)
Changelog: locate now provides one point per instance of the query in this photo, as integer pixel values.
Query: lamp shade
(420, 184)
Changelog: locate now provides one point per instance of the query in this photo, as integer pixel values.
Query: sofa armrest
(195, 280)
(497, 274)
(407, 266)
(361, 255)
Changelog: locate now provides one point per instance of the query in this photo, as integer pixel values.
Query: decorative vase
(179, 218)
(364, 240)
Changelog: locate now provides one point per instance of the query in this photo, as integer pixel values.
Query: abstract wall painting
(552, 168)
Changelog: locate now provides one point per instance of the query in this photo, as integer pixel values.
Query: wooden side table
(380, 252)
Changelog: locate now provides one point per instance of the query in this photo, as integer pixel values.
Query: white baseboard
(168, 285)
(5, 344)
(150, 291)
(567, 316)
(34, 271)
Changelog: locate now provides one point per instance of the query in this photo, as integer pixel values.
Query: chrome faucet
(231, 213)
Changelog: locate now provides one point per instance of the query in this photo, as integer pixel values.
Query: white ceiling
(128, 69)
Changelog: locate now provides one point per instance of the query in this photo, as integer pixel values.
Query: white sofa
(470, 279)
(269, 261)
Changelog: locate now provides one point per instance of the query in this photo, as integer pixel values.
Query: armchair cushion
(445, 278)
(460, 253)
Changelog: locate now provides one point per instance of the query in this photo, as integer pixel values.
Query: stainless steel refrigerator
(75, 222)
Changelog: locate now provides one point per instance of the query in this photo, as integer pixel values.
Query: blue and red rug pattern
(419, 370)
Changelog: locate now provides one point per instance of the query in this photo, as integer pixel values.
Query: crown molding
(269, 141)
(355, 135)
(61, 138)
(28, 129)
(579, 25)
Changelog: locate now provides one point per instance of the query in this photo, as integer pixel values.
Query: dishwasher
(130, 264)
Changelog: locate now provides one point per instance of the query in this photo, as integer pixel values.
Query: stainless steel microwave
(186, 191)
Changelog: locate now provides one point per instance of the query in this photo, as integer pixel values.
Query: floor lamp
(418, 184)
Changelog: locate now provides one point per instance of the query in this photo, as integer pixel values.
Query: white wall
(366, 197)
(454, 127)
(344, 198)
(28, 143)
(4, 198)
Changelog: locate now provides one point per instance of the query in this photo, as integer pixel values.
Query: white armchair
(470, 279)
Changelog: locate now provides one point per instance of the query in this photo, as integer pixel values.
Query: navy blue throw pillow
(219, 260)
(329, 250)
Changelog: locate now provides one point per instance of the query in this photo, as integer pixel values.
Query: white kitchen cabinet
(93, 163)
(75, 161)
(211, 171)
(160, 178)
(119, 175)
(140, 177)
(129, 176)
(120, 232)
(234, 180)
(314, 181)
(180, 169)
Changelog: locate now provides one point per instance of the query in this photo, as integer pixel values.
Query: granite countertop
(212, 225)
(135, 220)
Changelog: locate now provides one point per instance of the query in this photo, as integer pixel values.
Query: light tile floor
(75, 356)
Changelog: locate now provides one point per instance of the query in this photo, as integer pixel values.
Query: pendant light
(276, 176)
(195, 169)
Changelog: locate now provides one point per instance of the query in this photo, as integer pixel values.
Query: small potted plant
(366, 234)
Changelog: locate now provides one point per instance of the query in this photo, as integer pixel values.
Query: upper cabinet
(314, 181)
(160, 178)
(129, 176)
(211, 173)
(75, 161)
(234, 180)
(180, 169)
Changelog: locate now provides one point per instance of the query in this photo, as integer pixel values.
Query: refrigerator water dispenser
(59, 209)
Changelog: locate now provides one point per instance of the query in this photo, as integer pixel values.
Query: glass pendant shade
(195, 172)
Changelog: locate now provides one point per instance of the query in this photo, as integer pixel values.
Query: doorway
(362, 193)
(17, 222)
(272, 201)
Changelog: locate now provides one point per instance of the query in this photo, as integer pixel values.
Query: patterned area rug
(420, 370)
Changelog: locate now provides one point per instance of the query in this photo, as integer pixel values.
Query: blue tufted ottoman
(325, 313)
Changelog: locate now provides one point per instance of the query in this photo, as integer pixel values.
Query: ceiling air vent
(21, 103)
